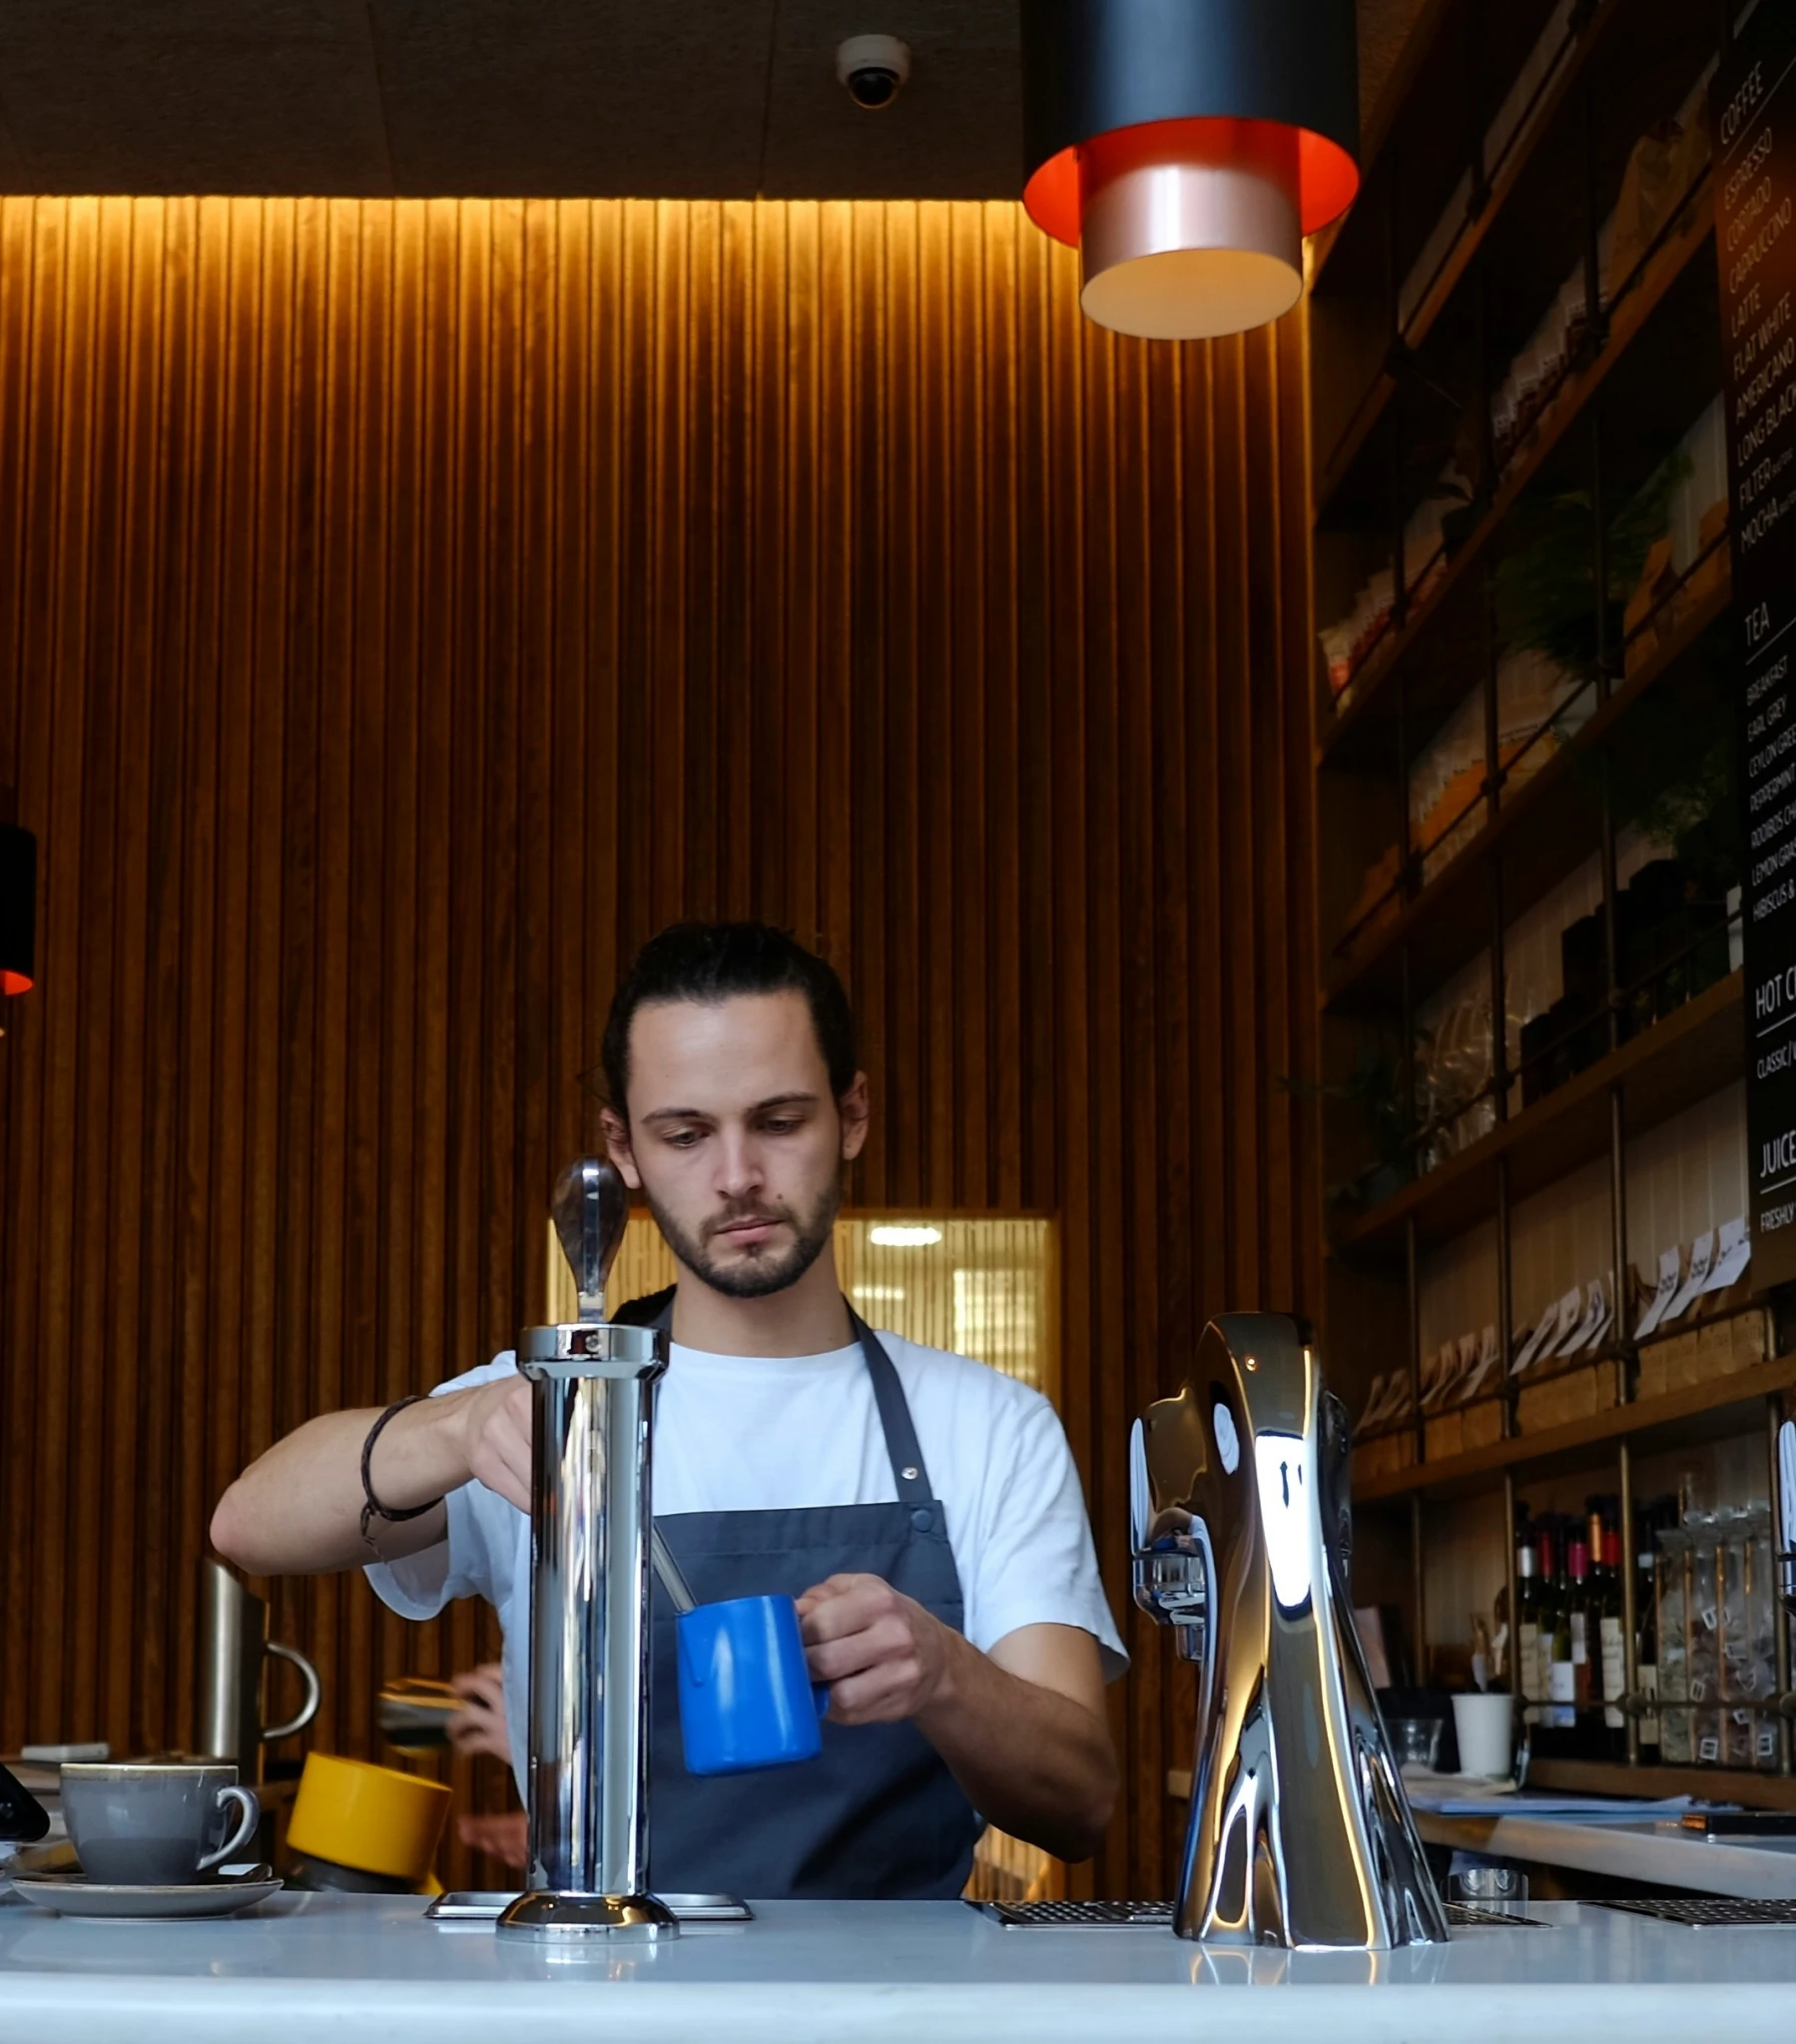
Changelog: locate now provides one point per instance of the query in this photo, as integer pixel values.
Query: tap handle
(591, 1209)
(1172, 1564)
(1140, 1497)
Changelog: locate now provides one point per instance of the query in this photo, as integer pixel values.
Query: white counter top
(345, 1967)
(1760, 1869)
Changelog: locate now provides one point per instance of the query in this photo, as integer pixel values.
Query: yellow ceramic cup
(375, 1819)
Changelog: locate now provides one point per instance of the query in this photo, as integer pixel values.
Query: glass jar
(1674, 1654)
(1702, 1638)
(1740, 1689)
(1761, 1624)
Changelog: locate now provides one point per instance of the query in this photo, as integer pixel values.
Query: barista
(922, 1509)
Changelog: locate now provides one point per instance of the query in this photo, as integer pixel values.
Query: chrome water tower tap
(590, 1523)
(1300, 1833)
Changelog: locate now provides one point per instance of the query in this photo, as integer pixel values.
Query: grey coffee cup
(155, 1823)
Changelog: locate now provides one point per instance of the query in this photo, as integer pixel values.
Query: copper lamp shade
(18, 909)
(1185, 147)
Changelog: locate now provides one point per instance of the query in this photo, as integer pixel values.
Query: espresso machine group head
(593, 1414)
(1301, 1833)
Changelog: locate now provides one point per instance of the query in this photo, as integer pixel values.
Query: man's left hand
(479, 1726)
(506, 1836)
(884, 1656)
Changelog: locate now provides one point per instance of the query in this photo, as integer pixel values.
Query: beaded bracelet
(374, 1509)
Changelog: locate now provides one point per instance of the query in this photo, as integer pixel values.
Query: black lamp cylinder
(1092, 66)
(18, 909)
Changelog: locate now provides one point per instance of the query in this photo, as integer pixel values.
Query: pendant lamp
(1185, 147)
(18, 907)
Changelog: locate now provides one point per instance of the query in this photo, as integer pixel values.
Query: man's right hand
(496, 1422)
(298, 1509)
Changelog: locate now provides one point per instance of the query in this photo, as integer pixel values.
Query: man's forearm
(297, 1510)
(1032, 1762)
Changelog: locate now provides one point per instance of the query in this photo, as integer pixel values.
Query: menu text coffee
(1753, 108)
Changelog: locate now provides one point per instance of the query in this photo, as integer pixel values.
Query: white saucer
(75, 1895)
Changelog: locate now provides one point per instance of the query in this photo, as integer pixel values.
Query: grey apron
(876, 1813)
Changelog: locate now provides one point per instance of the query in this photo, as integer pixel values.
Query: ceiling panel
(573, 98)
(190, 96)
(551, 98)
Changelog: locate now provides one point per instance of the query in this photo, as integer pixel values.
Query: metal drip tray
(1079, 1916)
(1158, 1916)
(1699, 1910)
(1470, 1916)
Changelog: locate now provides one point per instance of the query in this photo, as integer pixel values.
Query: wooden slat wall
(405, 608)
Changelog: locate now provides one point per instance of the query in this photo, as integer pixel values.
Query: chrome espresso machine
(1301, 1833)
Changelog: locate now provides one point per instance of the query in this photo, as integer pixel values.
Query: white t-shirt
(767, 1433)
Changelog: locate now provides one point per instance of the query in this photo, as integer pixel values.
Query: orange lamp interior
(1328, 177)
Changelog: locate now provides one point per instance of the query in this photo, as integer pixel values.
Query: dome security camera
(873, 68)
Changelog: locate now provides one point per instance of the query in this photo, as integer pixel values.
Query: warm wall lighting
(1185, 147)
(988, 1289)
(18, 909)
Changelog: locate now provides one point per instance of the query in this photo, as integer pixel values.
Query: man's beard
(754, 1277)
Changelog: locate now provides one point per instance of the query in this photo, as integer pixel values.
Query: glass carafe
(1674, 1656)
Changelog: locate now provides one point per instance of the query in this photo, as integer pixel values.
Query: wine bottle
(1646, 1639)
(1560, 1713)
(1614, 1657)
(1593, 1542)
(1582, 1624)
(1527, 1623)
(1548, 1602)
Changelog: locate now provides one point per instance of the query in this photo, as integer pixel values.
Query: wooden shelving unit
(1716, 1784)
(1596, 1778)
(1391, 301)
(1580, 50)
(1694, 1051)
(1394, 399)
(1543, 831)
(1724, 1405)
(1676, 287)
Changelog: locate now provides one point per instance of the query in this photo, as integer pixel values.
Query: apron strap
(902, 1445)
(653, 1309)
